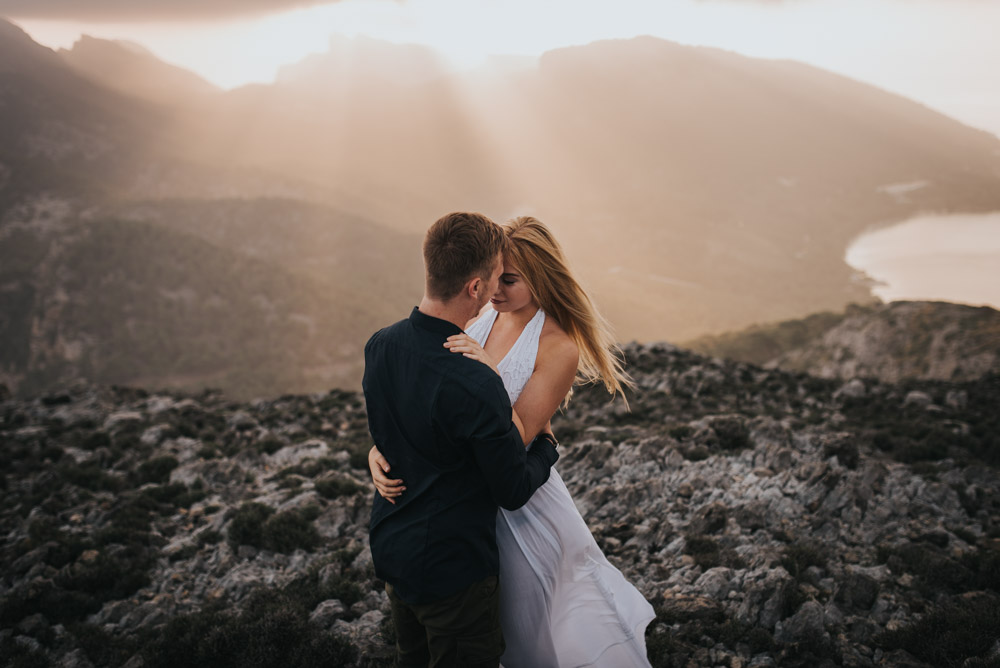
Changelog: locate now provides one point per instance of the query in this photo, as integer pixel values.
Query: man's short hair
(458, 247)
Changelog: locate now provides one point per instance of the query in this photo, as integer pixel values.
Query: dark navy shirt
(444, 423)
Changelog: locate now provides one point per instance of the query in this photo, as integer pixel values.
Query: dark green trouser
(462, 630)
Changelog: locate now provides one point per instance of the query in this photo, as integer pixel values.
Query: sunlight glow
(941, 53)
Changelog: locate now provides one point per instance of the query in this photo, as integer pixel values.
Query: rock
(33, 625)
(854, 389)
(367, 626)
(806, 625)
(75, 659)
(710, 519)
(935, 537)
(857, 590)
(327, 612)
(715, 583)
(900, 658)
(956, 399)
(241, 421)
(120, 419)
(750, 517)
(687, 608)
(291, 455)
(918, 398)
(155, 435)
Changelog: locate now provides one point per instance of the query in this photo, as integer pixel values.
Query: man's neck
(456, 311)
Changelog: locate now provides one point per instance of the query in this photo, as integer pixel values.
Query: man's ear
(473, 287)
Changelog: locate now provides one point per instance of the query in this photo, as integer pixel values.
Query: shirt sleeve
(483, 420)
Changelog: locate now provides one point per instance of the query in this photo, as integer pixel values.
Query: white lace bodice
(516, 366)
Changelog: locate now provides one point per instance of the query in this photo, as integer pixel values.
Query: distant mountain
(131, 69)
(891, 342)
(106, 276)
(199, 294)
(688, 184)
(58, 132)
(696, 191)
(364, 62)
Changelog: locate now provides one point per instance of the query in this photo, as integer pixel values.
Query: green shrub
(289, 531)
(95, 440)
(157, 469)
(680, 432)
(247, 525)
(703, 549)
(272, 630)
(103, 648)
(799, 556)
(960, 630)
(359, 458)
(17, 655)
(334, 487)
(175, 494)
(733, 434)
(270, 444)
(88, 475)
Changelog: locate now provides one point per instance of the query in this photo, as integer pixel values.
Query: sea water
(950, 257)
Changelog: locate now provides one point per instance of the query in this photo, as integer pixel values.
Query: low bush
(337, 486)
(271, 630)
(157, 469)
(704, 550)
(289, 531)
(257, 525)
(960, 632)
(247, 525)
(799, 556)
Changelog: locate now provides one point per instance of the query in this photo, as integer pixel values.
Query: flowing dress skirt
(562, 604)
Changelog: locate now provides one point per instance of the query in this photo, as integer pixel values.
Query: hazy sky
(943, 53)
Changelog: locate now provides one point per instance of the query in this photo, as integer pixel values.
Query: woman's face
(512, 291)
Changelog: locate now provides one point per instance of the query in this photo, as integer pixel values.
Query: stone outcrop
(773, 519)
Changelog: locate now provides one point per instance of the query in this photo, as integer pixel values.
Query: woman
(562, 603)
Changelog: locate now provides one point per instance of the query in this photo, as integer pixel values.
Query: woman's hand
(468, 346)
(386, 486)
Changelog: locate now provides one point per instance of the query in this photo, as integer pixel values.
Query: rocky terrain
(772, 518)
(902, 339)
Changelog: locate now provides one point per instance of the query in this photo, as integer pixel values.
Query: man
(444, 423)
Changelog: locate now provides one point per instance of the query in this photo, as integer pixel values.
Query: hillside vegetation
(772, 518)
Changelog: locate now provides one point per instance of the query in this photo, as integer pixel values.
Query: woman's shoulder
(554, 342)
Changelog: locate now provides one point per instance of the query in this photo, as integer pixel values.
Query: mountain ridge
(927, 340)
(691, 197)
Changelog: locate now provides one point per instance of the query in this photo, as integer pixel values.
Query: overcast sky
(943, 53)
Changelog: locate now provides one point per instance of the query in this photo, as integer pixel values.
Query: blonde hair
(539, 257)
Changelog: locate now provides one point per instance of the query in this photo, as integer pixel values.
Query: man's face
(490, 286)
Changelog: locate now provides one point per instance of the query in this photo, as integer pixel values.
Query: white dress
(562, 604)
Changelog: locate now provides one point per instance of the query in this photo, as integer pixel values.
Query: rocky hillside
(926, 340)
(773, 519)
(254, 297)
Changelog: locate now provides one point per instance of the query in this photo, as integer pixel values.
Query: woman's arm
(555, 370)
(378, 465)
(553, 375)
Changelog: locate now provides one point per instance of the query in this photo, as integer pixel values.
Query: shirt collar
(430, 323)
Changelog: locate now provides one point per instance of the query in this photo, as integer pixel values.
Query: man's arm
(512, 472)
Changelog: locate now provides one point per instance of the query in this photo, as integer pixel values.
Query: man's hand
(386, 486)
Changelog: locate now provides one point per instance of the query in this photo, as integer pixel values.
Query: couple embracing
(485, 557)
